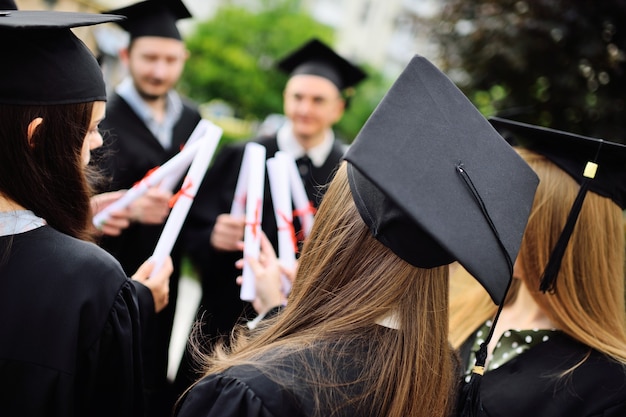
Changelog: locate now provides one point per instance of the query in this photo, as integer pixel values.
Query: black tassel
(548, 280)
(469, 400)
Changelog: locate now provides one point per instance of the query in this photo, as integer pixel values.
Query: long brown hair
(589, 301)
(45, 174)
(346, 281)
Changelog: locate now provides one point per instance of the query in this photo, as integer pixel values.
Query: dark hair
(45, 174)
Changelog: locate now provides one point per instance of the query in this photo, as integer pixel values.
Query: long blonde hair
(346, 281)
(589, 301)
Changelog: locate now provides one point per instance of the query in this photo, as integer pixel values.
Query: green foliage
(233, 54)
(232, 58)
(551, 62)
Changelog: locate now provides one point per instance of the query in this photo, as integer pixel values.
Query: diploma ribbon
(145, 177)
(292, 231)
(256, 224)
(187, 185)
(302, 212)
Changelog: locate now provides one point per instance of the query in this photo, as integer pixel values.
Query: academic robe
(221, 307)
(130, 150)
(529, 384)
(70, 340)
(253, 391)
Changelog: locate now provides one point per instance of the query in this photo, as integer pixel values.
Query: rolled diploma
(179, 212)
(202, 129)
(254, 167)
(238, 207)
(300, 199)
(278, 173)
(178, 162)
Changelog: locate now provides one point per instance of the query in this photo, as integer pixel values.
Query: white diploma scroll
(304, 208)
(203, 128)
(278, 173)
(253, 181)
(152, 179)
(184, 199)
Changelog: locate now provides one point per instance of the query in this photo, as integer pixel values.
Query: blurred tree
(555, 63)
(233, 57)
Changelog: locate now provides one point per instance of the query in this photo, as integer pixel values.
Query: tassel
(469, 400)
(548, 279)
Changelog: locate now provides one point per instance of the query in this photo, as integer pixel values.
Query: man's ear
(124, 54)
(32, 126)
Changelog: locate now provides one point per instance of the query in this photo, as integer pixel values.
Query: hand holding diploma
(227, 232)
(158, 283)
(184, 198)
(117, 220)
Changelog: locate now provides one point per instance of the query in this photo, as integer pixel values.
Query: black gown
(70, 340)
(130, 150)
(249, 391)
(221, 308)
(528, 384)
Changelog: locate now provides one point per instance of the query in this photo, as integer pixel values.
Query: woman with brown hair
(559, 344)
(70, 325)
(364, 332)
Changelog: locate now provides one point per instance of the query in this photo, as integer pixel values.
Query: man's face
(155, 65)
(313, 104)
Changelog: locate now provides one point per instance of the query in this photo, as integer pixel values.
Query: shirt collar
(173, 109)
(318, 154)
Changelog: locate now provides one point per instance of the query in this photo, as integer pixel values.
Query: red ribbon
(150, 171)
(292, 230)
(257, 221)
(183, 191)
(301, 212)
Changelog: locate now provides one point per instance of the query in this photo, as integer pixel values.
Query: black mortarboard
(153, 18)
(44, 62)
(315, 58)
(597, 165)
(435, 182)
(7, 5)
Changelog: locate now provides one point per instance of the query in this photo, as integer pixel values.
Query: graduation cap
(7, 5)
(44, 62)
(153, 18)
(436, 183)
(316, 58)
(595, 164)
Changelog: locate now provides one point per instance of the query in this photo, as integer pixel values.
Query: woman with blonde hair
(364, 332)
(559, 344)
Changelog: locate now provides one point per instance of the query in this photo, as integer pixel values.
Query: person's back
(64, 304)
(71, 333)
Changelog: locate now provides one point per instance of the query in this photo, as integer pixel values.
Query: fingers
(159, 284)
(151, 208)
(227, 232)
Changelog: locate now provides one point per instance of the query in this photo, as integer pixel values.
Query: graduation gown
(221, 307)
(529, 384)
(130, 150)
(248, 391)
(70, 340)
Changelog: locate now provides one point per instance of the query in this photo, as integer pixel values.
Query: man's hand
(227, 232)
(151, 208)
(118, 220)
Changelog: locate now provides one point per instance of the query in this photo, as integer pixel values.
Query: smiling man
(147, 122)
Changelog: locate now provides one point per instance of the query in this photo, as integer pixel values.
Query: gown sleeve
(220, 395)
(112, 380)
